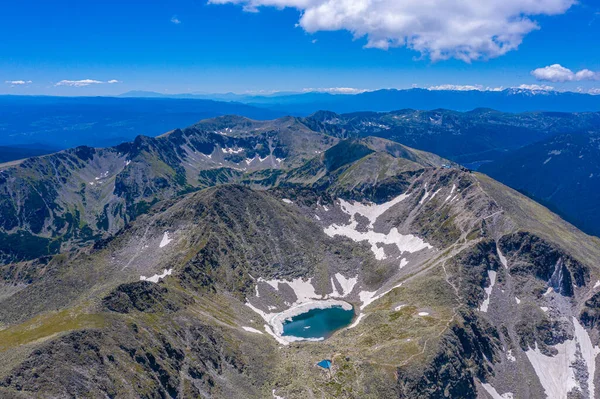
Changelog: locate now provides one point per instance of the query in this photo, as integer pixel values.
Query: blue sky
(191, 46)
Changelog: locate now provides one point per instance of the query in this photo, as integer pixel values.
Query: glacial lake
(318, 323)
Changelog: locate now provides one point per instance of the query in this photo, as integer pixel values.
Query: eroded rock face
(543, 260)
(143, 296)
(136, 361)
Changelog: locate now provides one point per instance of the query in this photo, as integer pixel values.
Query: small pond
(318, 323)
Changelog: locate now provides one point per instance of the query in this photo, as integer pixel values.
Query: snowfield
(557, 373)
(404, 242)
(165, 240)
(157, 277)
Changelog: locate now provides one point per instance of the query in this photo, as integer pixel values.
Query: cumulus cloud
(439, 29)
(84, 82)
(336, 90)
(535, 87)
(18, 82)
(175, 20)
(558, 73)
(464, 88)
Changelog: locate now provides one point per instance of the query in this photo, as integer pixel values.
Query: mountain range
(561, 172)
(520, 99)
(165, 267)
(66, 122)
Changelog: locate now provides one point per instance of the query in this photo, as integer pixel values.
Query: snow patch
(423, 314)
(510, 356)
(347, 284)
(403, 262)
(287, 201)
(425, 196)
(488, 291)
(518, 300)
(165, 240)
(252, 330)
(304, 290)
(494, 394)
(156, 277)
(451, 192)
(231, 150)
(368, 297)
(557, 373)
(277, 337)
(404, 243)
(434, 194)
(588, 352)
(358, 319)
(597, 284)
(370, 210)
(502, 257)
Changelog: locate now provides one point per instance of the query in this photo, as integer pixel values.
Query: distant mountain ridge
(66, 122)
(385, 100)
(562, 171)
(478, 135)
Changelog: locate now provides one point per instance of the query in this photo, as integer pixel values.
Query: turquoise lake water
(318, 323)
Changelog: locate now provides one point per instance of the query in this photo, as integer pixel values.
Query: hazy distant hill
(509, 100)
(563, 172)
(65, 122)
(465, 137)
(12, 153)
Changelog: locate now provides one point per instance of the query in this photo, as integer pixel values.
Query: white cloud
(586, 74)
(594, 91)
(464, 88)
(18, 82)
(440, 29)
(175, 20)
(335, 90)
(84, 82)
(535, 87)
(558, 73)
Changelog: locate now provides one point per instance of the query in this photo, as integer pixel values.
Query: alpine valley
(169, 267)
